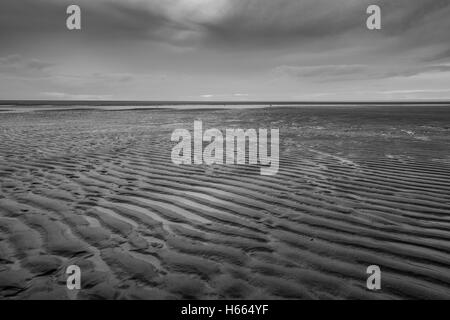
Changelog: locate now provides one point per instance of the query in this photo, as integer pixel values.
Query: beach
(356, 186)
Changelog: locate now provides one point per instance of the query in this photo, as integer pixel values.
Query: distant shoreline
(208, 103)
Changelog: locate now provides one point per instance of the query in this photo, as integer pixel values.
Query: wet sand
(357, 186)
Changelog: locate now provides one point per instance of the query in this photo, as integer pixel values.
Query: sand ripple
(98, 189)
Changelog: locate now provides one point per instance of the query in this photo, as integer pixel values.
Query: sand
(356, 187)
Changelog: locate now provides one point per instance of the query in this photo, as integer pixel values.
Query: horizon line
(213, 102)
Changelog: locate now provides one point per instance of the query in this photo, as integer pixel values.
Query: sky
(244, 50)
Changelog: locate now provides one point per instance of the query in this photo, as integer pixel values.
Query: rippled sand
(356, 187)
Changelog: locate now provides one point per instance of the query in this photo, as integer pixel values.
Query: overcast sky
(225, 50)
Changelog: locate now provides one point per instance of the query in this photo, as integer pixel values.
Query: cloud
(442, 55)
(250, 23)
(69, 96)
(18, 61)
(416, 94)
(16, 64)
(244, 23)
(224, 96)
(139, 48)
(431, 91)
(355, 72)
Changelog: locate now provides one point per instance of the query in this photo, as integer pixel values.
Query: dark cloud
(442, 55)
(227, 23)
(244, 22)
